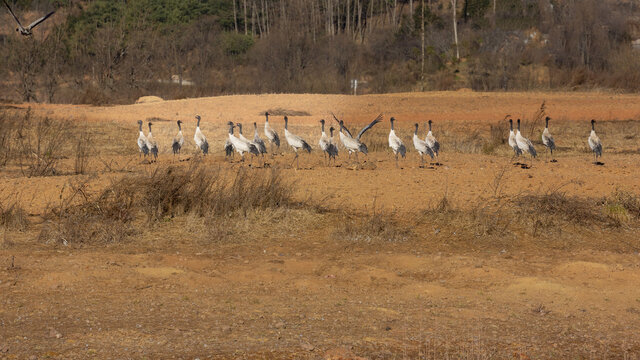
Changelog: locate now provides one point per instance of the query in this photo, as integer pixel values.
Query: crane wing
(12, 14)
(364, 129)
(344, 127)
(35, 23)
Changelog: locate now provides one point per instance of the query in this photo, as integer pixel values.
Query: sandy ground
(307, 293)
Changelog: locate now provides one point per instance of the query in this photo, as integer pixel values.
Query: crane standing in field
(324, 140)
(178, 140)
(295, 141)
(421, 146)
(142, 141)
(547, 139)
(512, 140)
(241, 146)
(271, 134)
(525, 144)
(200, 139)
(594, 143)
(332, 150)
(354, 144)
(250, 142)
(395, 143)
(262, 148)
(152, 144)
(432, 142)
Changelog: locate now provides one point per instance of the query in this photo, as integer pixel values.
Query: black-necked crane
(228, 149)
(142, 141)
(295, 141)
(594, 143)
(525, 144)
(26, 31)
(200, 139)
(178, 140)
(324, 139)
(332, 149)
(395, 143)
(547, 138)
(512, 139)
(241, 146)
(354, 144)
(271, 134)
(152, 144)
(252, 145)
(421, 146)
(262, 148)
(432, 142)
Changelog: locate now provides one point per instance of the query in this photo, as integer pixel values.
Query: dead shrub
(497, 138)
(379, 226)
(79, 219)
(560, 207)
(82, 148)
(13, 216)
(41, 142)
(8, 127)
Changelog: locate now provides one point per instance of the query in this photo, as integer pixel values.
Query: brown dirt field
(297, 283)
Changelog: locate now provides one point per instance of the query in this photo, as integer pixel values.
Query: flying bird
(26, 31)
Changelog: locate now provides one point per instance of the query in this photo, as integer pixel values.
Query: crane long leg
(396, 160)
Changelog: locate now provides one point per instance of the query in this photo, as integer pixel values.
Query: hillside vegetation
(105, 51)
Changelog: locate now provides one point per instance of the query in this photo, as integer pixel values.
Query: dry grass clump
(166, 192)
(622, 206)
(560, 207)
(13, 216)
(104, 219)
(379, 226)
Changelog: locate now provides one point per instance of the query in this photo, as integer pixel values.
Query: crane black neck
(391, 124)
(230, 129)
(593, 126)
(322, 123)
(429, 125)
(179, 127)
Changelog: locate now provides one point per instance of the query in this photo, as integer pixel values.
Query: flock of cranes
(430, 146)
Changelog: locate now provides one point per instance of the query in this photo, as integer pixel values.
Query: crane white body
(594, 142)
(432, 142)
(178, 140)
(142, 140)
(200, 139)
(270, 133)
(512, 140)
(395, 143)
(152, 144)
(421, 146)
(525, 144)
